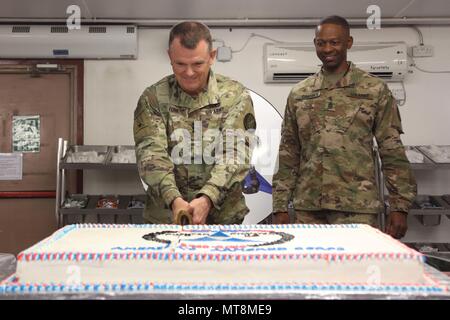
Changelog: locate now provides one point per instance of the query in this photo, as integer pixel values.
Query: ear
(212, 56)
(314, 42)
(350, 42)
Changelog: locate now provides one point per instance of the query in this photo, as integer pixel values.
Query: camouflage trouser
(335, 217)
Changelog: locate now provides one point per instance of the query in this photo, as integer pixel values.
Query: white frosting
(221, 255)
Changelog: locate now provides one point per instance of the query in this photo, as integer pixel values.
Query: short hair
(190, 34)
(338, 20)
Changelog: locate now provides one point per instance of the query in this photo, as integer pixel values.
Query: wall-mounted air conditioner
(89, 42)
(293, 62)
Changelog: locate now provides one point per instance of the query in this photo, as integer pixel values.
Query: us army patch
(249, 121)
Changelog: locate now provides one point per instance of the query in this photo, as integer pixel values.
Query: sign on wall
(26, 134)
(11, 166)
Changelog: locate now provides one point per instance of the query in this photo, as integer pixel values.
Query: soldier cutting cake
(195, 108)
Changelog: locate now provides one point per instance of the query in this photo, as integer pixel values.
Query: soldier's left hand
(397, 224)
(200, 209)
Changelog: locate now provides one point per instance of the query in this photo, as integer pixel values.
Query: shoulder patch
(249, 121)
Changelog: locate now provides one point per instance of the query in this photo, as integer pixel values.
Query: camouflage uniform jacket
(162, 109)
(326, 158)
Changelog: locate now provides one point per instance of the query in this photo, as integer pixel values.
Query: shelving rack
(90, 209)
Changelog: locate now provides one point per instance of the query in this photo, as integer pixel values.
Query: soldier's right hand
(180, 204)
(281, 218)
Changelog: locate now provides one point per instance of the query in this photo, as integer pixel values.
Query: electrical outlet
(398, 93)
(422, 51)
(397, 90)
(224, 54)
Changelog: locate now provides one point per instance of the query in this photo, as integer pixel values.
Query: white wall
(112, 89)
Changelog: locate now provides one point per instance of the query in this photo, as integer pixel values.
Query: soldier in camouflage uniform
(326, 159)
(187, 109)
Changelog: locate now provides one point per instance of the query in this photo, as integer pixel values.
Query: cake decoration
(220, 258)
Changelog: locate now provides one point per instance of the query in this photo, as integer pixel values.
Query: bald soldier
(182, 130)
(326, 163)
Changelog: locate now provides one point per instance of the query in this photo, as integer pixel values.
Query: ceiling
(141, 11)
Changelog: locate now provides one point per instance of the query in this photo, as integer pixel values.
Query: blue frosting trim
(69, 228)
(270, 227)
(228, 255)
(122, 226)
(56, 236)
(172, 287)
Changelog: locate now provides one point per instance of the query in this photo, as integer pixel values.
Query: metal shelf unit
(90, 208)
(430, 213)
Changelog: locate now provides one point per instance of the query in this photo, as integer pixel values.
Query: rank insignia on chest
(218, 109)
(330, 103)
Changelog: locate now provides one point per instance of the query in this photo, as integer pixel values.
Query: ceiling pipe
(234, 22)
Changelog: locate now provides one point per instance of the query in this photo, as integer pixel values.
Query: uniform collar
(207, 97)
(348, 80)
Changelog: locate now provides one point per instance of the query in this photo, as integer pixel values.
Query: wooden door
(49, 99)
